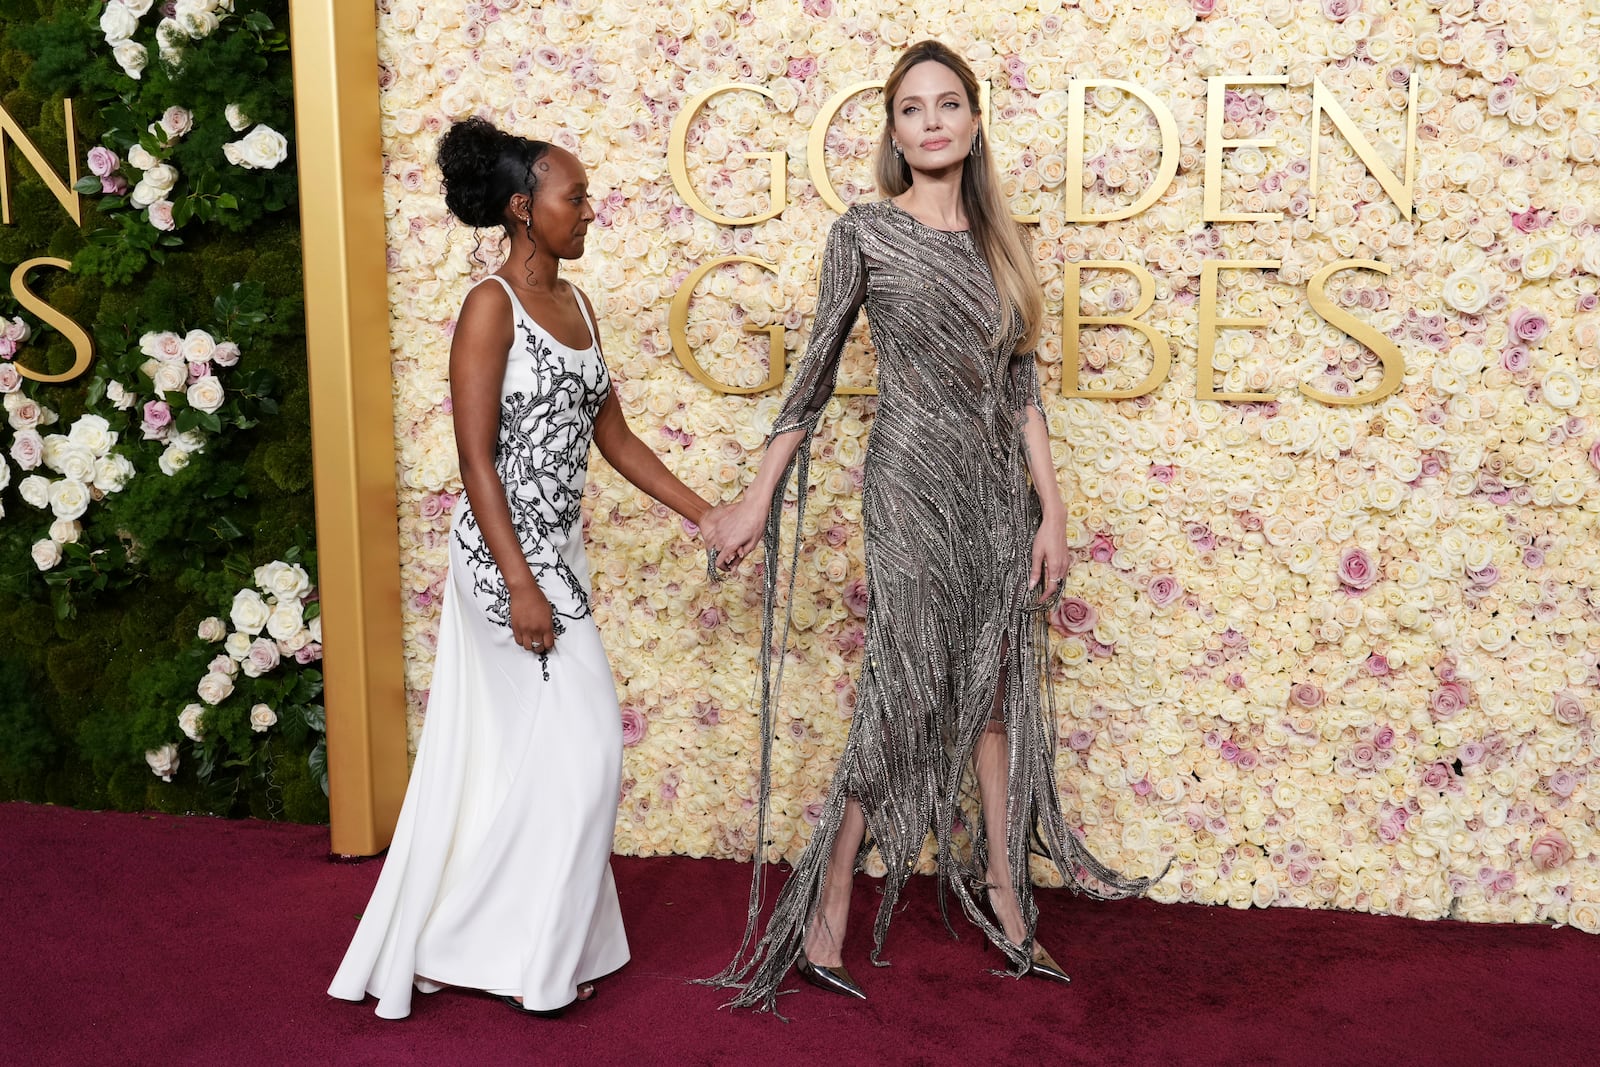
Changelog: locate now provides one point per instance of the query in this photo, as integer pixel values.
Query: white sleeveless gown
(499, 875)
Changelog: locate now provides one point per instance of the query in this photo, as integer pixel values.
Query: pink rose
(115, 185)
(1073, 615)
(1528, 325)
(1562, 783)
(633, 726)
(1516, 359)
(1339, 10)
(157, 420)
(1550, 851)
(161, 216)
(1594, 455)
(855, 598)
(1356, 569)
(1080, 740)
(10, 378)
(103, 161)
(711, 618)
(1378, 664)
(226, 354)
(1203, 8)
(1163, 590)
(1448, 699)
(27, 448)
(8, 348)
(309, 653)
(1568, 708)
(1102, 549)
(1306, 695)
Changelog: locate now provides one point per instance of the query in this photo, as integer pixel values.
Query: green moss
(84, 694)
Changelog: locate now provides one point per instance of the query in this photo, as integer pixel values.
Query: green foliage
(96, 654)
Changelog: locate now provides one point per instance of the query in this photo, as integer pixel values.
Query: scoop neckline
(925, 225)
(521, 308)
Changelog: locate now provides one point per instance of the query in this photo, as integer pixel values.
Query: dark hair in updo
(484, 167)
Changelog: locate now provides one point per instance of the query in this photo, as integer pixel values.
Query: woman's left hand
(1049, 556)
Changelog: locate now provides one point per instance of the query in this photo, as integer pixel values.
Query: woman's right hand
(533, 623)
(734, 530)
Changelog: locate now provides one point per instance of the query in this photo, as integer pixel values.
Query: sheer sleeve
(840, 294)
(1025, 383)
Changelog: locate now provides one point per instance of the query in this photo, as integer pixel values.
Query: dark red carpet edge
(132, 939)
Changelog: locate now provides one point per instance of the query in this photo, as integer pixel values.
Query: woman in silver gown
(953, 722)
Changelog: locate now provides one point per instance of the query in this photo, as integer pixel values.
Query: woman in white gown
(499, 874)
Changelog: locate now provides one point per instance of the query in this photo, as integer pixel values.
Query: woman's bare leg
(825, 935)
(991, 761)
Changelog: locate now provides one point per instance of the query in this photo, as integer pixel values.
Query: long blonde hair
(996, 234)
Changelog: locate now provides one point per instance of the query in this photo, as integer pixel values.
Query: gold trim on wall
(352, 418)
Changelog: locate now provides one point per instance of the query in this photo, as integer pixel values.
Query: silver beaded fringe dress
(950, 519)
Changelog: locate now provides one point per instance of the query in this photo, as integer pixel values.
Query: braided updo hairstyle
(484, 167)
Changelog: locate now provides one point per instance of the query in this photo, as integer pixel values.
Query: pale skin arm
(477, 368)
(1050, 543)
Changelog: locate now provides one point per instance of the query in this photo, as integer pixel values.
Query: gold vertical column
(340, 157)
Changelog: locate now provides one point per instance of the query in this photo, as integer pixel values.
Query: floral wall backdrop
(1323, 654)
(166, 482)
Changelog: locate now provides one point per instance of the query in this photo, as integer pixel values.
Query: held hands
(732, 531)
(533, 624)
(1049, 557)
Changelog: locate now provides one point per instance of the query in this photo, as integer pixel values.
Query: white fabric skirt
(499, 875)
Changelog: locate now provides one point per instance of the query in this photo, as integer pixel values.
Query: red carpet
(134, 939)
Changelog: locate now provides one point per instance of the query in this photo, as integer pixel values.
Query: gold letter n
(63, 191)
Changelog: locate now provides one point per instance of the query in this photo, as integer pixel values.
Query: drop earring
(977, 145)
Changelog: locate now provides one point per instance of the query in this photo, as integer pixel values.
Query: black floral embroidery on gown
(542, 457)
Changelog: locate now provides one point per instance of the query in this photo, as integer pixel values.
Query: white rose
(93, 433)
(189, 722)
(1561, 389)
(112, 473)
(238, 644)
(131, 56)
(163, 761)
(285, 581)
(189, 441)
(165, 345)
(172, 460)
(215, 687)
(206, 394)
(197, 346)
(35, 490)
(249, 612)
(65, 531)
(69, 498)
(46, 554)
(10, 379)
(286, 620)
(290, 646)
(140, 8)
(262, 657)
(74, 461)
(140, 158)
(236, 118)
(261, 149)
(1466, 291)
(27, 448)
(199, 25)
(161, 177)
(262, 718)
(222, 663)
(5, 474)
(118, 23)
(118, 394)
(176, 121)
(211, 629)
(170, 377)
(226, 354)
(314, 628)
